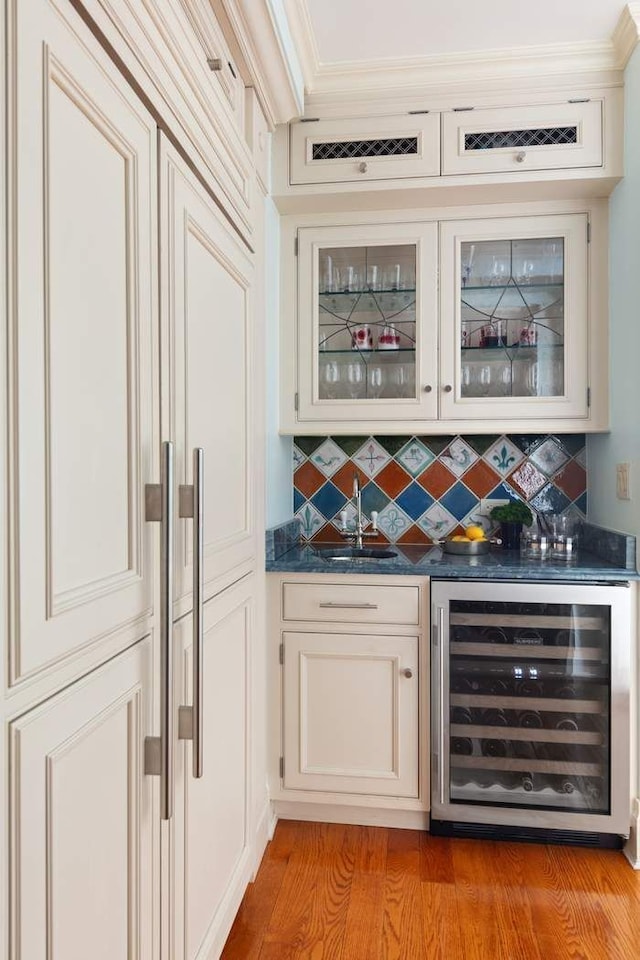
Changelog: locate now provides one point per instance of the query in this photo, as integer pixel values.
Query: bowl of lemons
(473, 543)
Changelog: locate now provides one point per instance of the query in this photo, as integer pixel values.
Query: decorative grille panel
(357, 149)
(539, 137)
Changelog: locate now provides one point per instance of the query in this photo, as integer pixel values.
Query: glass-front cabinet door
(367, 324)
(514, 318)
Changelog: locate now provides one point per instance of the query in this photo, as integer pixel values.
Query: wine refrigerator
(531, 711)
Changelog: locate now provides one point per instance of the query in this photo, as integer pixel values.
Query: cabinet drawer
(350, 603)
(516, 139)
(376, 148)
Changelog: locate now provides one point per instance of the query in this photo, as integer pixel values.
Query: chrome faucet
(358, 533)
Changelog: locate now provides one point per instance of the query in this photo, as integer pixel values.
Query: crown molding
(304, 38)
(259, 37)
(627, 33)
(583, 66)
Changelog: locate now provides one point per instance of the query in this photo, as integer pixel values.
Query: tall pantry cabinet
(129, 343)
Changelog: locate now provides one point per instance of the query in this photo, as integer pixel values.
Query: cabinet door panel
(82, 346)
(212, 841)
(351, 713)
(206, 322)
(506, 379)
(82, 819)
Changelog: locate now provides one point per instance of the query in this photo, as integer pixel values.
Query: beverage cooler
(530, 711)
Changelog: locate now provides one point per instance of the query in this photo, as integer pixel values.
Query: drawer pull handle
(407, 672)
(521, 156)
(348, 606)
(363, 167)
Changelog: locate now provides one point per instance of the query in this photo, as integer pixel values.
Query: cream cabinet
(206, 310)
(211, 830)
(519, 138)
(373, 148)
(130, 296)
(367, 341)
(350, 719)
(84, 820)
(503, 324)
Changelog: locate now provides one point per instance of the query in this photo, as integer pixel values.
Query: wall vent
(357, 149)
(537, 137)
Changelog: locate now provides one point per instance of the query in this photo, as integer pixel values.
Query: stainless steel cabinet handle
(427, 388)
(407, 672)
(158, 751)
(348, 606)
(363, 167)
(441, 745)
(521, 156)
(190, 718)
(447, 388)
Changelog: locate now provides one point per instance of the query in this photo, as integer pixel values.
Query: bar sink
(355, 553)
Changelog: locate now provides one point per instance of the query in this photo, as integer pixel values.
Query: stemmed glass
(375, 381)
(330, 379)
(355, 379)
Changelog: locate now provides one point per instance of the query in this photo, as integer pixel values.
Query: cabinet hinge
(588, 231)
(281, 654)
(462, 109)
(281, 768)
(309, 120)
(580, 100)
(295, 247)
(233, 73)
(588, 396)
(415, 113)
(434, 635)
(296, 402)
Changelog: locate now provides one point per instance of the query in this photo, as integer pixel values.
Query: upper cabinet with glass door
(367, 303)
(515, 318)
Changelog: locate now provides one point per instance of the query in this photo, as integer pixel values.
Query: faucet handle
(374, 521)
(343, 519)
(356, 485)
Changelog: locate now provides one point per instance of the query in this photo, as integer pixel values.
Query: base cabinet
(83, 826)
(350, 699)
(350, 713)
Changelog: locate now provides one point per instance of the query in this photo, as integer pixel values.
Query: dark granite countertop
(286, 555)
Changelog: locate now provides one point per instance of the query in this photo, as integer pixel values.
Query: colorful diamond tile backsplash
(426, 488)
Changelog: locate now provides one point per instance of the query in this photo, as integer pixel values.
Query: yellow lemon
(458, 538)
(475, 533)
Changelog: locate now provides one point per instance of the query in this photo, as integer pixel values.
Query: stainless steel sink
(355, 553)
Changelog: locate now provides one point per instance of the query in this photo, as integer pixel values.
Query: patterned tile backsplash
(425, 488)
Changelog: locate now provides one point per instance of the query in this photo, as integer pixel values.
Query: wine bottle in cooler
(462, 746)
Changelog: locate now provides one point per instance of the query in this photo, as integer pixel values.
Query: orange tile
(393, 479)
(343, 479)
(415, 535)
(308, 479)
(572, 479)
(481, 478)
(436, 479)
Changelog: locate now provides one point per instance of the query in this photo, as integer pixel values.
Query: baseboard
(631, 848)
(264, 833)
(361, 816)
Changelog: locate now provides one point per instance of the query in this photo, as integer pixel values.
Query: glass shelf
(522, 287)
(516, 351)
(378, 354)
(369, 292)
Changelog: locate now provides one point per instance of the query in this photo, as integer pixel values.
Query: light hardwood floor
(335, 892)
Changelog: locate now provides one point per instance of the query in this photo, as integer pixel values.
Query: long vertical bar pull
(190, 719)
(159, 504)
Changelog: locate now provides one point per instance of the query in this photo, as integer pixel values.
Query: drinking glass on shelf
(351, 279)
(375, 381)
(392, 277)
(329, 380)
(355, 379)
(403, 378)
(374, 277)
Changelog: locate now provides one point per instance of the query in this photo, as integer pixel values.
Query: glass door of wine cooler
(532, 704)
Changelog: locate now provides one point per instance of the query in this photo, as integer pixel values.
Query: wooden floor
(333, 892)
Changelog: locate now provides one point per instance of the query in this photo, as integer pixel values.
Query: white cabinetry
(506, 325)
(84, 828)
(213, 850)
(207, 340)
(376, 148)
(351, 720)
(131, 322)
(506, 139)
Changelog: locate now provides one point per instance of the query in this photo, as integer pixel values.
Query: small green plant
(513, 512)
